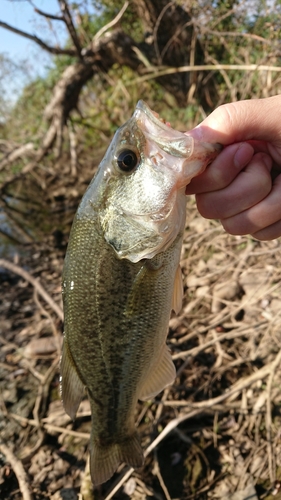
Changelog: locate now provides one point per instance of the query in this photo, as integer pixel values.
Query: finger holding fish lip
(247, 189)
(195, 154)
(223, 170)
(262, 219)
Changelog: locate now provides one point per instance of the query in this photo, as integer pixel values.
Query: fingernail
(243, 155)
(196, 133)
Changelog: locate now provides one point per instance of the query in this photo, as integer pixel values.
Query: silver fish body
(121, 279)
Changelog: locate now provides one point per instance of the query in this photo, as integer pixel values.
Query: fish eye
(127, 160)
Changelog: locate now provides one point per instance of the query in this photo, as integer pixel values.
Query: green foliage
(223, 33)
(9, 74)
(226, 33)
(25, 121)
(108, 9)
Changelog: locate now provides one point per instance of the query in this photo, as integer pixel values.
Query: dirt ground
(215, 434)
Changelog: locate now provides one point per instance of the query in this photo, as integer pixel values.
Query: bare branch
(111, 23)
(207, 67)
(197, 409)
(162, 13)
(70, 26)
(34, 38)
(18, 152)
(73, 151)
(19, 471)
(49, 16)
(35, 283)
(10, 237)
(250, 36)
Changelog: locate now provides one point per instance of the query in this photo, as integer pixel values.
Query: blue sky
(20, 14)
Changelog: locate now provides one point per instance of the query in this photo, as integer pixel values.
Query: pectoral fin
(148, 270)
(72, 389)
(178, 291)
(160, 376)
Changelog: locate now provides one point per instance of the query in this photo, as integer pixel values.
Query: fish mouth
(172, 141)
(157, 130)
(187, 157)
(152, 115)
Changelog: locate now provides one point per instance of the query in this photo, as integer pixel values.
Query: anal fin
(160, 376)
(71, 387)
(178, 291)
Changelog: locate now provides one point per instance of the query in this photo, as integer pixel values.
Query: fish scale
(121, 280)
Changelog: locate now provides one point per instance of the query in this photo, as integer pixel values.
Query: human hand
(241, 187)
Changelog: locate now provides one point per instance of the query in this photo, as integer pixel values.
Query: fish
(121, 279)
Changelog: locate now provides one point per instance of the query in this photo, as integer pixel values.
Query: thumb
(254, 119)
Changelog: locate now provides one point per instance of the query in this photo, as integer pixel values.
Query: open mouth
(161, 133)
(152, 115)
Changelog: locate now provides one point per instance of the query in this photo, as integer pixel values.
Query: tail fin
(105, 459)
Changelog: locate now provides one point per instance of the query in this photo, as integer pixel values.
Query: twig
(73, 151)
(231, 87)
(49, 16)
(206, 67)
(142, 57)
(120, 483)
(157, 472)
(70, 432)
(174, 37)
(18, 152)
(18, 470)
(243, 259)
(14, 222)
(34, 282)
(28, 366)
(34, 38)
(50, 427)
(45, 313)
(43, 390)
(70, 26)
(111, 23)
(268, 420)
(250, 36)
(200, 407)
(156, 27)
(226, 336)
(10, 237)
(161, 405)
(86, 489)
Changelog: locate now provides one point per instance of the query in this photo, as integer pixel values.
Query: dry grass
(213, 435)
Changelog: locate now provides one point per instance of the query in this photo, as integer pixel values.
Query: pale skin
(242, 187)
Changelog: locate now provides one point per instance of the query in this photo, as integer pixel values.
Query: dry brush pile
(215, 432)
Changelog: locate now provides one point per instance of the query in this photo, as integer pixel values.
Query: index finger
(253, 119)
(223, 169)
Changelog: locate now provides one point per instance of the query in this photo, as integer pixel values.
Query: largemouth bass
(121, 279)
